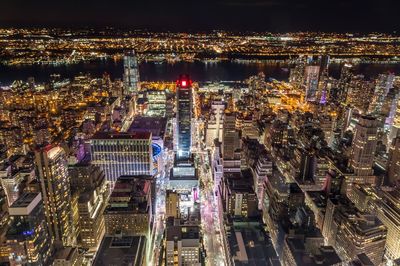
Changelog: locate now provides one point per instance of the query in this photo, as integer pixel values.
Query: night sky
(202, 15)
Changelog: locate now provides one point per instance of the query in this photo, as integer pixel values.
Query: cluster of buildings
(315, 159)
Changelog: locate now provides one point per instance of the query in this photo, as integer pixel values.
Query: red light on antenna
(183, 83)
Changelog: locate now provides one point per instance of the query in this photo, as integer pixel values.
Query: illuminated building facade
(129, 209)
(388, 211)
(51, 163)
(352, 232)
(182, 245)
(345, 78)
(394, 162)
(89, 182)
(383, 85)
(395, 128)
(230, 145)
(311, 78)
(157, 103)
(122, 153)
(28, 238)
(184, 105)
(131, 73)
(364, 146)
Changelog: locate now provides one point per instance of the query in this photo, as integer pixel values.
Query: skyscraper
(122, 153)
(311, 77)
(230, 138)
(89, 182)
(184, 116)
(394, 162)
(388, 211)
(364, 146)
(28, 237)
(383, 84)
(131, 73)
(129, 209)
(345, 77)
(395, 127)
(51, 163)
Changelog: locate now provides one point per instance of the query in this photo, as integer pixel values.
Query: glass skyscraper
(131, 73)
(184, 116)
(52, 170)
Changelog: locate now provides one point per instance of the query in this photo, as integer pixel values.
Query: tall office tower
(297, 73)
(28, 237)
(172, 204)
(361, 234)
(231, 138)
(129, 209)
(383, 84)
(395, 128)
(89, 182)
(51, 163)
(184, 107)
(311, 79)
(231, 145)
(308, 163)
(122, 153)
(262, 170)
(388, 211)
(327, 123)
(4, 225)
(389, 108)
(215, 123)
(131, 73)
(352, 232)
(328, 229)
(393, 170)
(364, 146)
(344, 82)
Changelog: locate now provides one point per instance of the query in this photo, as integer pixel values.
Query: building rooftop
(25, 203)
(121, 135)
(130, 194)
(127, 250)
(155, 125)
(325, 256)
(179, 232)
(249, 244)
(240, 182)
(318, 197)
(66, 254)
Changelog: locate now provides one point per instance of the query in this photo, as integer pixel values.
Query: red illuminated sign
(184, 81)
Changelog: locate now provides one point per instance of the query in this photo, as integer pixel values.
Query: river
(199, 71)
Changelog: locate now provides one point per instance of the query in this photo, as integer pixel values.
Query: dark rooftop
(119, 135)
(155, 125)
(121, 251)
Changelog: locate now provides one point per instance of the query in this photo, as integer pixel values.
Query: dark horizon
(231, 15)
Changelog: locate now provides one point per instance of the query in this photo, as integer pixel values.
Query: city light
(222, 134)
